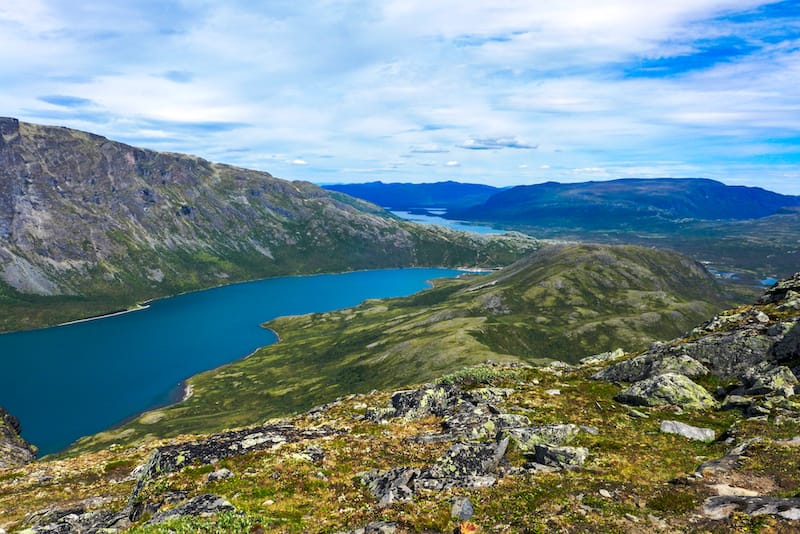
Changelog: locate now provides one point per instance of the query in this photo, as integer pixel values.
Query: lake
(70, 381)
(441, 221)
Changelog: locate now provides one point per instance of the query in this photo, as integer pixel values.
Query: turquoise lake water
(70, 381)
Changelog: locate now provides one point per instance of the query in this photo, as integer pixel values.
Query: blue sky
(502, 92)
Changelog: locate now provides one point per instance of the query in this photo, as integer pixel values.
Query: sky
(503, 92)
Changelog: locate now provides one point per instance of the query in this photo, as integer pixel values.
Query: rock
(688, 431)
(636, 414)
(219, 474)
(14, 450)
(202, 505)
(312, 454)
(381, 527)
(479, 422)
(553, 392)
(736, 402)
(462, 509)
(780, 290)
(526, 438)
(560, 457)
(379, 415)
(725, 490)
(788, 346)
(220, 446)
(668, 388)
(722, 507)
(603, 357)
(428, 400)
(765, 379)
(75, 519)
(605, 493)
(727, 463)
(389, 487)
(464, 460)
(652, 364)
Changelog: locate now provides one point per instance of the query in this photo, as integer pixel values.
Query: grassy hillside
(564, 302)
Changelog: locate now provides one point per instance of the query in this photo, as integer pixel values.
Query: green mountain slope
(88, 225)
(564, 302)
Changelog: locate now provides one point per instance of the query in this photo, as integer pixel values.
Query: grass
(458, 323)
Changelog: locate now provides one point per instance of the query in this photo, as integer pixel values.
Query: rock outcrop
(14, 450)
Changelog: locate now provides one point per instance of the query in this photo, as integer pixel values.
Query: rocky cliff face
(14, 451)
(83, 215)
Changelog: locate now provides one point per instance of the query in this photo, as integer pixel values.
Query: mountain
(89, 225)
(399, 196)
(699, 434)
(564, 302)
(627, 203)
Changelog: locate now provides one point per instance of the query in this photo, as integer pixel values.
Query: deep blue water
(70, 381)
(441, 221)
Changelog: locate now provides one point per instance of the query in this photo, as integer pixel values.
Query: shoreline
(139, 307)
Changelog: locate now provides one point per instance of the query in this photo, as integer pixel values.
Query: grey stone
(219, 474)
(652, 364)
(669, 388)
(202, 505)
(468, 459)
(560, 457)
(381, 527)
(429, 400)
(722, 507)
(394, 485)
(462, 509)
(688, 431)
(765, 379)
(526, 438)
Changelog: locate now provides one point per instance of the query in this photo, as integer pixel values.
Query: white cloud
(453, 164)
(405, 78)
(298, 162)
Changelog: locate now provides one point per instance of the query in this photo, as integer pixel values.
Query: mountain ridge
(90, 225)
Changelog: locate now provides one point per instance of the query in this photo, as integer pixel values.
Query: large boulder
(652, 363)
(669, 388)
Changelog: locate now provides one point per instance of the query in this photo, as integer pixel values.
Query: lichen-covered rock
(764, 379)
(688, 431)
(429, 400)
(394, 485)
(723, 506)
(202, 505)
(14, 451)
(780, 290)
(527, 437)
(560, 457)
(463, 460)
(74, 519)
(669, 388)
(219, 474)
(652, 364)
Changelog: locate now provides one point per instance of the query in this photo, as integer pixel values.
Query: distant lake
(441, 221)
(70, 381)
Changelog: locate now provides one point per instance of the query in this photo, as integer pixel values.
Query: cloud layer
(502, 92)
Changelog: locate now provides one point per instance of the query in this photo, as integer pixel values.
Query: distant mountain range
(399, 196)
(627, 203)
(89, 225)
